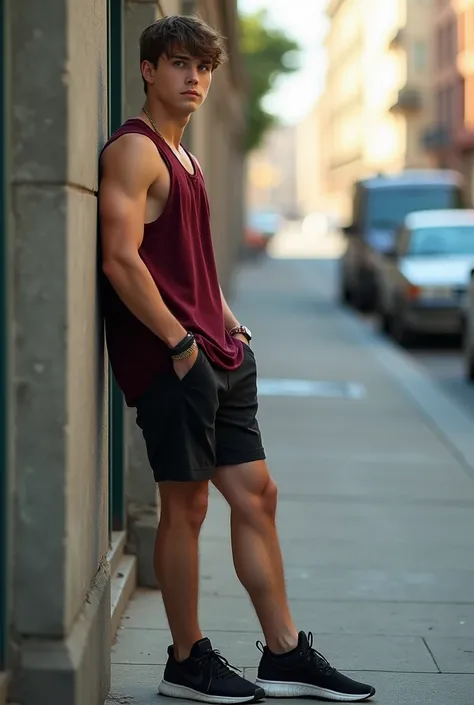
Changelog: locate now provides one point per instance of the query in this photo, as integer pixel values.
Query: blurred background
(339, 131)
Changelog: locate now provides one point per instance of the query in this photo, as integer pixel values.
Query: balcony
(436, 137)
(409, 100)
(396, 40)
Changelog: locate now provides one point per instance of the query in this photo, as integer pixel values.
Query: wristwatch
(241, 330)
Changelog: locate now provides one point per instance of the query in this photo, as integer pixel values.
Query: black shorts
(206, 420)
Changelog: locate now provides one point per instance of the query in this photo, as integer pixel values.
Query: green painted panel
(3, 354)
(116, 403)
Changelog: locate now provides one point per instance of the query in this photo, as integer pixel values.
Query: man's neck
(170, 128)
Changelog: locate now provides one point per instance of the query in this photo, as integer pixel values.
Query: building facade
(271, 183)
(309, 163)
(377, 101)
(447, 87)
(464, 138)
(78, 506)
(450, 139)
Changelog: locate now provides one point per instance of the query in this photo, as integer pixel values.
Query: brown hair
(190, 33)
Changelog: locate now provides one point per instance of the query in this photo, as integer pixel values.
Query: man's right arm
(129, 168)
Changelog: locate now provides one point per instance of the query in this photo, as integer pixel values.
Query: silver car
(423, 281)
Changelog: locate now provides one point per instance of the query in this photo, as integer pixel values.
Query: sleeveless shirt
(178, 252)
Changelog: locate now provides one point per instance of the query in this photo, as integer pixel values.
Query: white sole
(171, 690)
(277, 689)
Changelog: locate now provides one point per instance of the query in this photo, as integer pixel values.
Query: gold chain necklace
(152, 123)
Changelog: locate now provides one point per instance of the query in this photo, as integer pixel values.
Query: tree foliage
(266, 54)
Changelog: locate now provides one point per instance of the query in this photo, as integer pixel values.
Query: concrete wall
(61, 592)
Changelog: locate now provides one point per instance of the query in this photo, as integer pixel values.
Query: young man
(183, 359)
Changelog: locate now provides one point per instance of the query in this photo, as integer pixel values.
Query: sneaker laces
(219, 667)
(311, 655)
(315, 657)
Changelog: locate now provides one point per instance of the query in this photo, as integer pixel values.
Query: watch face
(247, 332)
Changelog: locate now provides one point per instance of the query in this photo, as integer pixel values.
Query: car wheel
(468, 355)
(400, 332)
(365, 297)
(345, 297)
(385, 322)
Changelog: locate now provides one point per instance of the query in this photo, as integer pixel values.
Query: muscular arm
(129, 167)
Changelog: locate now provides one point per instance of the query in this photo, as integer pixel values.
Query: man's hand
(182, 367)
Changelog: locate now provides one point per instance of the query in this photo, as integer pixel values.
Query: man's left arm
(230, 320)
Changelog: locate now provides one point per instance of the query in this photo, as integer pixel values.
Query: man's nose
(193, 76)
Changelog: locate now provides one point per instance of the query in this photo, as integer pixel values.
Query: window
(449, 120)
(439, 48)
(442, 240)
(420, 55)
(439, 107)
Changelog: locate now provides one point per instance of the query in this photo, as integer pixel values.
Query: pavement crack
(431, 654)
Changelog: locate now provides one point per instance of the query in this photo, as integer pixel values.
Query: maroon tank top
(177, 250)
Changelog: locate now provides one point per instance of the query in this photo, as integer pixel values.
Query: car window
(442, 240)
(388, 207)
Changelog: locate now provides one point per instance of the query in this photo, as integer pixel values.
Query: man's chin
(190, 106)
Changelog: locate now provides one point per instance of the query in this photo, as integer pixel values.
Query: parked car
(261, 227)
(424, 278)
(380, 205)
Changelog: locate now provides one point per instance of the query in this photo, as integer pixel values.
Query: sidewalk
(376, 508)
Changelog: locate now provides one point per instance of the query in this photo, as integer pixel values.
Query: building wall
(447, 85)
(309, 155)
(450, 141)
(272, 173)
(61, 581)
(464, 137)
(367, 128)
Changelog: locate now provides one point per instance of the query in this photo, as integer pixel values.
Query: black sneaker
(304, 672)
(208, 677)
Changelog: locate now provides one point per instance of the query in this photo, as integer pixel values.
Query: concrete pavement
(376, 508)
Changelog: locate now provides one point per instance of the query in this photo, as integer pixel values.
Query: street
(441, 357)
(374, 465)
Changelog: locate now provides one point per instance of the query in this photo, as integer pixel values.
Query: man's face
(180, 81)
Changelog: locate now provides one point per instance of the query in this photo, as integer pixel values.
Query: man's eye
(204, 67)
(179, 63)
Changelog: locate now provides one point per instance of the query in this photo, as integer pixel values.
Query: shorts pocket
(200, 379)
(189, 374)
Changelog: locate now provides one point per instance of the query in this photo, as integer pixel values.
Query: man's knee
(270, 497)
(184, 503)
(257, 501)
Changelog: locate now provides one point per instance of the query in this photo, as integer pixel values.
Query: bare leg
(252, 496)
(183, 510)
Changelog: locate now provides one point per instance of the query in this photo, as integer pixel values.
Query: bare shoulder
(132, 158)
